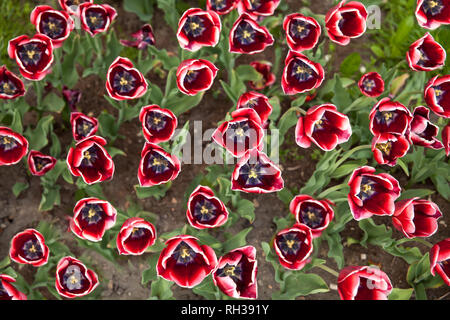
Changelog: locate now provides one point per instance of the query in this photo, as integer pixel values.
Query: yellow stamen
(52, 26)
(366, 188)
(31, 54)
(204, 210)
(91, 213)
(385, 147)
(73, 280)
(156, 120)
(437, 92)
(300, 29)
(87, 155)
(7, 140)
(311, 215)
(32, 249)
(229, 271)
(253, 174)
(388, 115)
(194, 25)
(246, 34)
(123, 81)
(290, 243)
(239, 132)
(185, 253)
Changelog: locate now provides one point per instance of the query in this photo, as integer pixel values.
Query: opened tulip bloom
(157, 166)
(74, 279)
(205, 210)
(258, 102)
(416, 217)
(158, 125)
(302, 33)
(346, 21)
(28, 247)
(185, 262)
(13, 147)
(371, 84)
(437, 95)
(315, 214)
(34, 56)
(267, 77)
(440, 260)
(57, 25)
(387, 148)
(423, 131)
(389, 117)
(446, 139)
(257, 8)
(83, 126)
(363, 283)
(90, 160)
(256, 173)
(72, 6)
(426, 54)
(124, 81)
(96, 18)
(198, 28)
(135, 236)
(248, 37)
(294, 246)
(11, 86)
(7, 289)
(91, 218)
(241, 134)
(324, 126)
(195, 76)
(144, 37)
(372, 194)
(236, 271)
(301, 74)
(221, 6)
(431, 14)
(39, 163)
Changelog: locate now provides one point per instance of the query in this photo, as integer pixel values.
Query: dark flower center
(219, 4)
(369, 84)
(245, 34)
(3, 294)
(385, 117)
(53, 27)
(194, 26)
(156, 121)
(385, 148)
(205, 210)
(92, 213)
(40, 163)
(255, 4)
(312, 216)
(184, 254)
(124, 82)
(424, 60)
(32, 250)
(289, 243)
(30, 54)
(7, 87)
(445, 265)
(191, 76)
(253, 174)
(432, 7)
(438, 93)
(95, 20)
(238, 132)
(158, 163)
(138, 233)
(7, 143)
(252, 103)
(90, 156)
(366, 189)
(73, 278)
(299, 29)
(84, 127)
(234, 272)
(301, 71)
(321, 124)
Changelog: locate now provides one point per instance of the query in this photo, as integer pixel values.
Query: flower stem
(351, 152)
(326, 192)
(329, 270)
(422, 241)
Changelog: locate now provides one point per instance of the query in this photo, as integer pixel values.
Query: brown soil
(125, 282)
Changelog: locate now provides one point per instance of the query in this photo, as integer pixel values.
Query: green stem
(329, 270)
(351, 152)
(401, 241)
(326, 192)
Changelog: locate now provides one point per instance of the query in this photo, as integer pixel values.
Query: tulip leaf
(207, 289)
(246, 209)
(401, 294)
(301, 284)
(150, 273)
(411, 193)
(171, 14)
(161, 290)
(157, 192)
(236, 241)
(336, 250)
(53, 103)
(351, 64)
(375, 234)
(19, 187)
(143, 8)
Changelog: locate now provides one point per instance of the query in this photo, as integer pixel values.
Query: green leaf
(50, 198)
(412, 193)
(207, 289)
(143, 8)
(341, 97)
(404, 166)
(55, 149)
(246, 209)
(161, 290)
(287, 121)
(157, 192)
(236, 241)
(19, 187)
(183, 103)
(150, 273)
(170, 12)
(351, 64)
(401, 294)
(248, 73)
(285, 195)
(336, 250)
(301, 284)
(38, 137)
(375, 234)
(53, 103)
